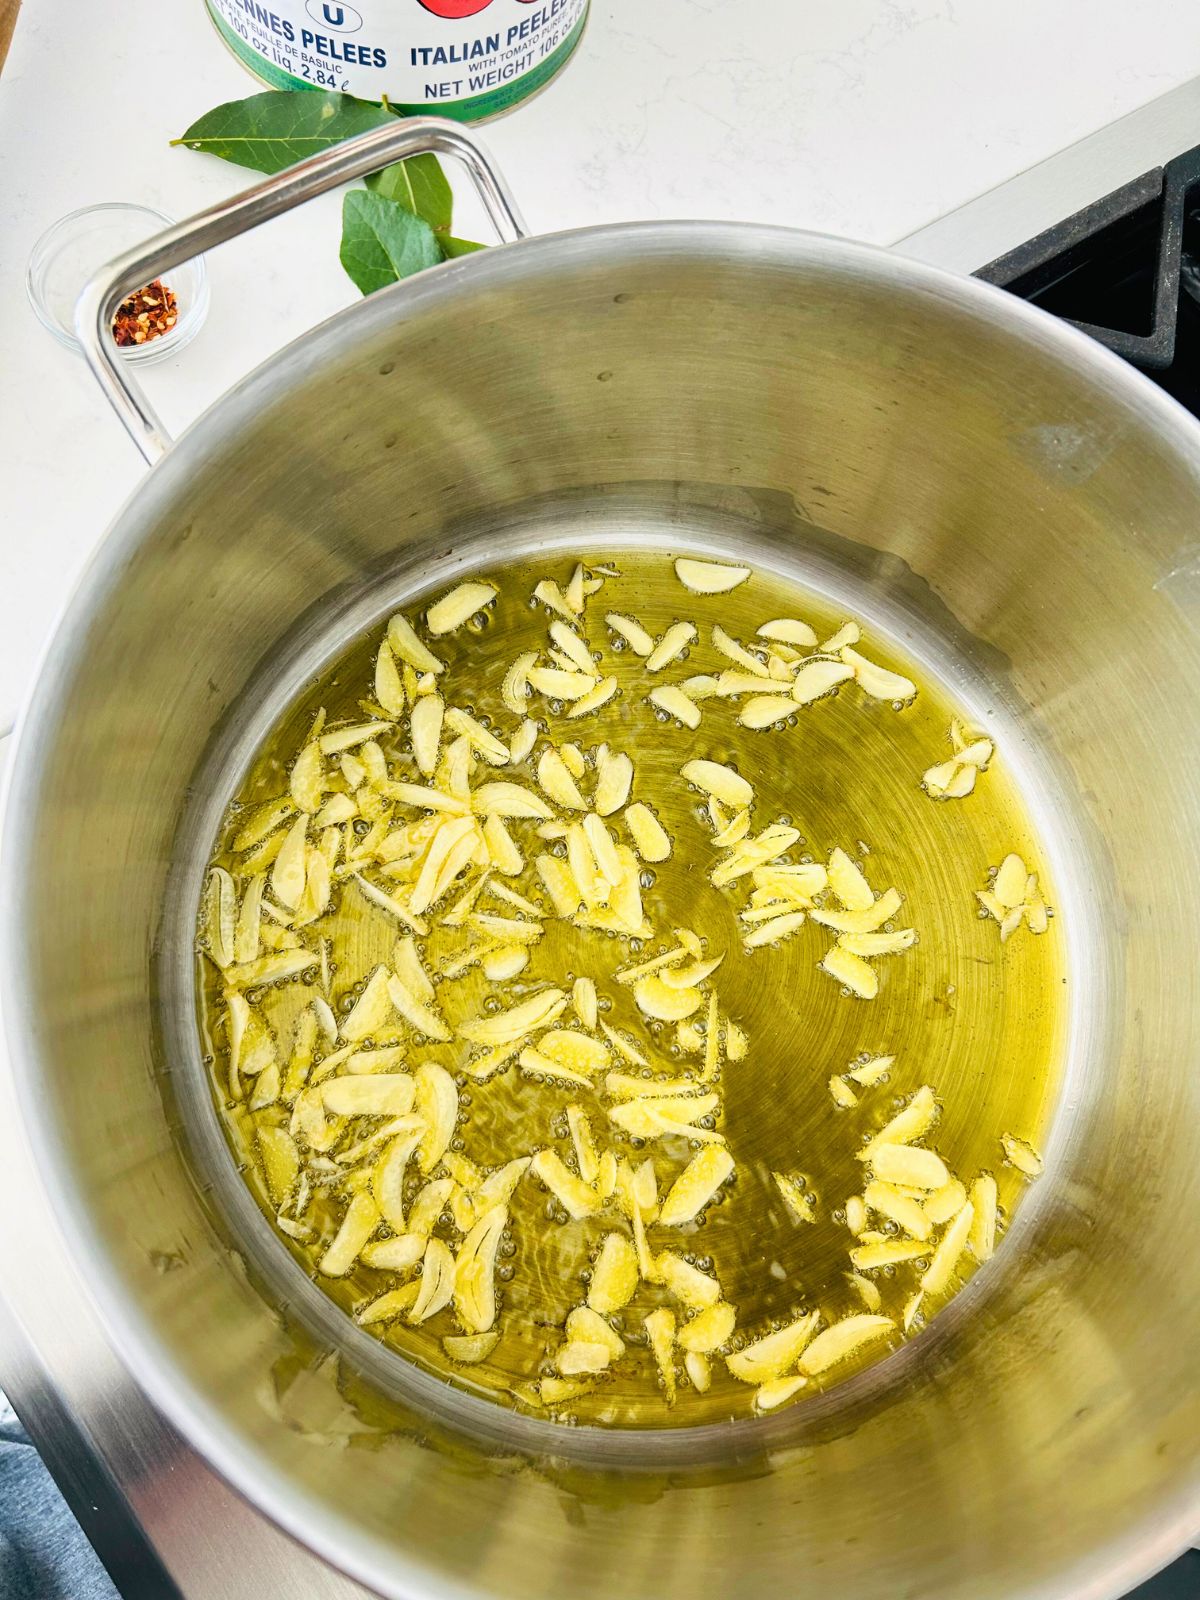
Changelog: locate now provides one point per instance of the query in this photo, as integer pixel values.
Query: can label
(459, 58)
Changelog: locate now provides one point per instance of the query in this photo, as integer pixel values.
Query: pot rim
(1106, 1575)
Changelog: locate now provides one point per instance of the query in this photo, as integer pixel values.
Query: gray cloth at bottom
(43, 1552)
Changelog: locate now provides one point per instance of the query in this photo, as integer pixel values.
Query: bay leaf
(383, 242)
(420, 186)
(273, 130)
(452, 247)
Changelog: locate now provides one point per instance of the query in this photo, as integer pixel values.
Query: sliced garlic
(716, 779)
(843, 1340)
(801, 1205)
(370, 1011)
(945, 1259)
(650, 838)
(864, 921)
(737, 653)
(660, 1330)
(856, 1214)
(770, 1357)
(945, 1202)
(457, 607)
(584, 1143)
(787, 630)
(436, 1284)
(577, 1197)
(599, 696)
(841, 1092)
(583, 1001)
(577, 1357)
(475, 1272)
(556, 683)
(346, 738)
(909, 1165)
(851, 971)
(877, 681)
(699, 1370)
(614, 778)
(886, 1253)
(909, 1124)
(506, 1027)
(676, 704)
(671, 646)
(634, 635)
(359, 1222)
(575, 1050)
(848, 883)
(868, 1073)
(867, 1291)
(768, 1396)
(469, 1349)
(982, 1237)
(1022, 1156)
(623, 1045)
(709, 577)
(691, 1287)
(764, 710)
(662, 1002)
(817, 678)
(1010, 882)
(404, 641)
(878, 944)
(708, 1330)
(695, 1186)
(478, 737)
(891, 1202)
(614, 1276)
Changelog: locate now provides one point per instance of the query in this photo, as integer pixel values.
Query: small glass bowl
(74, 248)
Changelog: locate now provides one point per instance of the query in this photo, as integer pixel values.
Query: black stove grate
(1127, 271)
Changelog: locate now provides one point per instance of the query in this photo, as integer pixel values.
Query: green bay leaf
(382, 241)
(273, 130)
(452, 247)
(420, 186)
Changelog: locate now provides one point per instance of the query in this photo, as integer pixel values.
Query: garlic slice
(699, 1370)
(457, 607)
(650, 838)
(843, 1340)
(877, 681)
(708, 1330)
(557, 781)
(634, 635)
(477, 736)
(671, 646)
(695, 1186)
(911, 1123)
(892, 1203)
(768, 1396)
(583, 1001)
(469, 1349)
(878, 944)
(717, 779)
(507, 1027)
(436, 1289)
(1022, 1156)
(864, 921)
(941, 1269)
(614, 1277)
(801, 1205)
(475, 1272)
(672, 700)
(851, 971)
(403, 640)
(436, 1103)
(982, 1237)
(577, 1197)
(556, 683)
(886, 1253)
(908, 1164)
(1010, 882)
(817, 678)
(662, 1002)
(660, 1330)
(603, 692)
(692, 1288)
(765, 710)
(770, 1357)
(359, 1222)
(709, 577)
(787, 630)
(614, 778)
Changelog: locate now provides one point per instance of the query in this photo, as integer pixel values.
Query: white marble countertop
(867, 118)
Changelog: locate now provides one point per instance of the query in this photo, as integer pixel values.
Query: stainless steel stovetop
(162, 1522)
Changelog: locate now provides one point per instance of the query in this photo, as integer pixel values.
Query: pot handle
(341, 163)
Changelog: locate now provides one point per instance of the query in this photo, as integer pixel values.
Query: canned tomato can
(467, 59)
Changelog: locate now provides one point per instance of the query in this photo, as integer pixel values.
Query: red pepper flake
(146, 315)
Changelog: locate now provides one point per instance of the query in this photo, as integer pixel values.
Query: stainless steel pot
(985, 478)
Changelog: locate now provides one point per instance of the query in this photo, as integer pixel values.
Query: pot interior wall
(987, 482)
